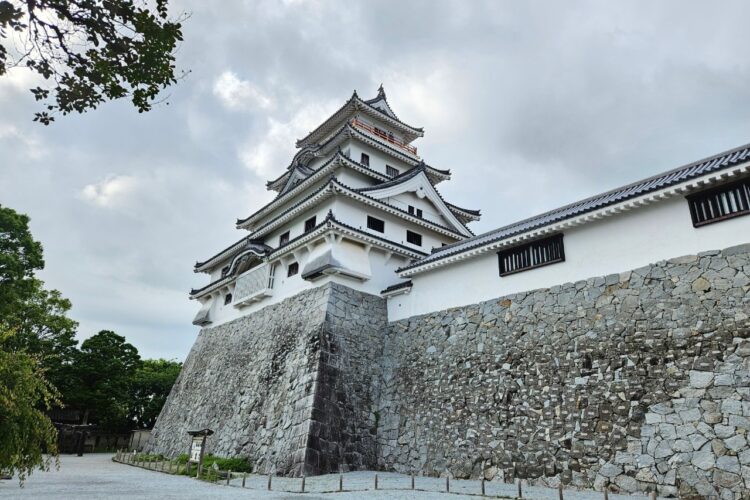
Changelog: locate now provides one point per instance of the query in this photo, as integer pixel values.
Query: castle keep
(360, 324)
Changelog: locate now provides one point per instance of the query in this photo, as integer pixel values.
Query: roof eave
(739, 169)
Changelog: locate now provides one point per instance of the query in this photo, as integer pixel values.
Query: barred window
(725, 202)
(391, 171)
(531, 255)
(292, 269)
(284, 238)
(375, 224)
(309, 224)
(227, 299)
(415, 211)
(414, 238)
(364, 159)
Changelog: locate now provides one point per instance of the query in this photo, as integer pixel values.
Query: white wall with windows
(615, 244)
(355, 214)
(377, 159)
(381, 266)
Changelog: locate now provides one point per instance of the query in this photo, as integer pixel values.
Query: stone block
(700, 379)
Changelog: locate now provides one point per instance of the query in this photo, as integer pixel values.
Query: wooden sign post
(198, 447)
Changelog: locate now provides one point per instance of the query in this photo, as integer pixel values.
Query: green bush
(235, 464)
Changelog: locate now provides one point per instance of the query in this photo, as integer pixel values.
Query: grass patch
(147, 457)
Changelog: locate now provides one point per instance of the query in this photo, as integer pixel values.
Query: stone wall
(289, 386)
(628, 381)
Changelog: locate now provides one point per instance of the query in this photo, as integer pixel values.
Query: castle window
(725, 202)
(375, 224)
(391, 171)
(531, 255)
(292, 269)
(365, 159)
(309, 224)
(415, 211)
(227, 299)
(284, 238)
(414, 238)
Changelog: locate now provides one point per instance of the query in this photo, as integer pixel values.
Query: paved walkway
(96, 476)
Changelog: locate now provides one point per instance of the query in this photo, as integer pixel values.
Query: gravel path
(96, 476)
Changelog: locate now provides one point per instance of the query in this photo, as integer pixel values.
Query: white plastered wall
(611, 245)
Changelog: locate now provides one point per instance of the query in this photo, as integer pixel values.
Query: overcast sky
(530, 104)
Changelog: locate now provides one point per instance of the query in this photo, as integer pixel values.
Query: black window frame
(283, 238)
(416, 212)
(227, 299)
(391, 171)
(364, 159)
(310, 223)
(412, 235)
(546, 251)
(704, 204)
(292, 269)
(372, 222)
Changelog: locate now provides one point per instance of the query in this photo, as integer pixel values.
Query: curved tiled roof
(331, 221)
(333, 184)
(355, 101)
(412, 172)
(464, 210)
(246, 243)
(397, 286)
(287, 194)
(661, 181)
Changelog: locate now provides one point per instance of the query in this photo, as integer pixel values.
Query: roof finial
(354, 94)
(381, 90)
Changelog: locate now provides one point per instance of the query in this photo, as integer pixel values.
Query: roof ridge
(597, 201)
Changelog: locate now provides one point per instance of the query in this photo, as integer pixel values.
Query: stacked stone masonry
(630, 382)
(290, 386)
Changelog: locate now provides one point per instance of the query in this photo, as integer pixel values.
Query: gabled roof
(416, 180)
(348, 131)
(377, 107)
(724, 164)
(243, 244)
(339, 159)
(380, 103)
(333, 188)
(296, 175)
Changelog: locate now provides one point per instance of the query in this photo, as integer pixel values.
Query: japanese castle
(355, 204)
(358, 205)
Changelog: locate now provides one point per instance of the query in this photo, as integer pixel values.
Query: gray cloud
(531, 104)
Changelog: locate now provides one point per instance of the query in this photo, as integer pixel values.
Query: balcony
(383, 136)
(254, 285)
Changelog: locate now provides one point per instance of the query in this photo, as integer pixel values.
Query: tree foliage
(104, 370)
(26, 433)
(41, 366)
(36, 315)
(20, 258)
(150, 387)
(90, 51)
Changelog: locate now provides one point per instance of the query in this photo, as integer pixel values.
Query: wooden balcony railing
(383, 135)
